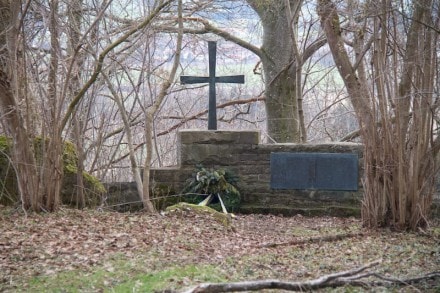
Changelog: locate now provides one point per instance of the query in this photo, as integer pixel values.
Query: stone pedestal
(214, 148)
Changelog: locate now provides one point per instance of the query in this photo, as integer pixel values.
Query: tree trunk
(52, 150)
(151, 112)
(279, 66)
(78, 138)
(131, 148)
(74, 36)
(52, 173)
(23, 157)
(148, 206)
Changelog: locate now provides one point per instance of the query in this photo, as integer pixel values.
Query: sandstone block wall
(241, 152)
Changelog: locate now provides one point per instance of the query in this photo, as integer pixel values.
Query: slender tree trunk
(131, 148)
(22, 152)
(151, 112)
(148, 206)
(74, 16)
(80, 194)
(10, 67)
(52, 151)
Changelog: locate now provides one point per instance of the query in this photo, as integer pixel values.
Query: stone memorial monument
(311, 179)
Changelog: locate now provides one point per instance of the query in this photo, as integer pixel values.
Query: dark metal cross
(212, 80)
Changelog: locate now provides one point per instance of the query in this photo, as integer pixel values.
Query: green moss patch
(94, 189)
(120, 274)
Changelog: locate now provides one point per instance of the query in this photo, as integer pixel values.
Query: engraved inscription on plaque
(323, 171)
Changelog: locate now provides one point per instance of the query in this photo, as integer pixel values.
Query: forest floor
(93, 251)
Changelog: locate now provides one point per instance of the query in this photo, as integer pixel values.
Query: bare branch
(313, 47)
(322, 282)
(200, 114)
(351, 277)
(100, 61)
(209, 28)
(327, 238)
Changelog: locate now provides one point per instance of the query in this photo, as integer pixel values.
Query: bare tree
(282, 59)
(45, 82)
(396, 110)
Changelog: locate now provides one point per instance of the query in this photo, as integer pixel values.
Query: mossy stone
(94, 189)
(225, 219)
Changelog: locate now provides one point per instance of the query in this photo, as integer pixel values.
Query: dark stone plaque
(324, 171)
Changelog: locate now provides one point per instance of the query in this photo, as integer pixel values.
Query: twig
(327, 238)
(389, 281)
(11, 163)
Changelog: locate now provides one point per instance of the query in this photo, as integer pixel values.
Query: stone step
(332, 210)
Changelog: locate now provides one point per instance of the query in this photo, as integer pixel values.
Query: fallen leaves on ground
(257, 246)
